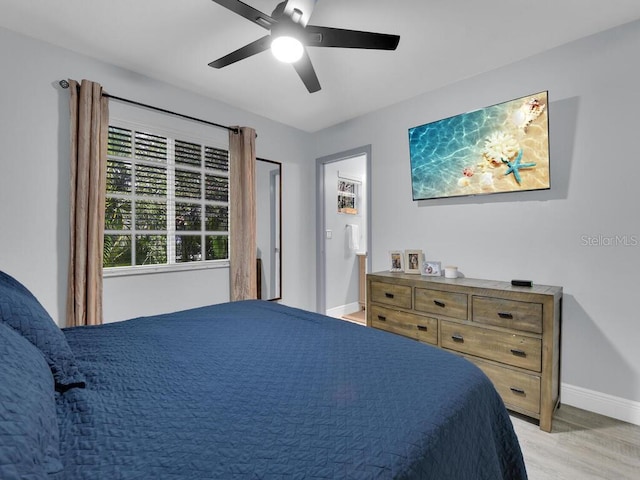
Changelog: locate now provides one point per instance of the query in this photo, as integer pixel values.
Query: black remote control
(522, 283)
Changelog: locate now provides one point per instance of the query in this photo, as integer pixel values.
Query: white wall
(594, 96)
(34, 177)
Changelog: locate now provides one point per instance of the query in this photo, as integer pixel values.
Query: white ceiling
(442, 41)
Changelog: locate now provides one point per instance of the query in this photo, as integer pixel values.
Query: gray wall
(594, 97)
(34, 177)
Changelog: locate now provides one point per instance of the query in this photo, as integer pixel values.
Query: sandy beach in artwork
(490, 177)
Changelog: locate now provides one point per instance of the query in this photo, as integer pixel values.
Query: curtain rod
(65, 84)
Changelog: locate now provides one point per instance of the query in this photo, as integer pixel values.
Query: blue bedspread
(256, 390)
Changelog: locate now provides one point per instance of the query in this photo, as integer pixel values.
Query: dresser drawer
(437, 302)
(426, 329)
(512, 314)
(518, 390)
(390, 294)
(410, 325)
(516, 350)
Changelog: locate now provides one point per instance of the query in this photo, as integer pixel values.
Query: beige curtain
(242, 214)
(89, 112)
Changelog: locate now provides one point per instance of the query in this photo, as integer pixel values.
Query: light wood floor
(357, 317)
(581, 446)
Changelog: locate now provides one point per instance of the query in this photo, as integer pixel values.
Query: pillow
(21, 310)
(29, 436)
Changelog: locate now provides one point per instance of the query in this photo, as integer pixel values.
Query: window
(167, 200)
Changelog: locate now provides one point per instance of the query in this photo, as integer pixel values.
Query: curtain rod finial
(64, 83)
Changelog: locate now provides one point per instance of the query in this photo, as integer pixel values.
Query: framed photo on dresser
(395, 261)
(412, 261)
(431, 268)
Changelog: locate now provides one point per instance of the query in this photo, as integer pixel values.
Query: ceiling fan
(290, 34)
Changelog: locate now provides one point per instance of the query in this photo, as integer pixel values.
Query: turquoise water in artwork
(441, 150)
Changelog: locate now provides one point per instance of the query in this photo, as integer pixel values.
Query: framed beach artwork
(497, 149)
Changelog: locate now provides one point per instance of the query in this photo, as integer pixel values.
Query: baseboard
(338, 312)
(602, 403)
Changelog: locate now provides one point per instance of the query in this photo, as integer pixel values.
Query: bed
(243, 390)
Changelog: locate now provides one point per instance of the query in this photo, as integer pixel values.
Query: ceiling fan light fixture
(287, 49)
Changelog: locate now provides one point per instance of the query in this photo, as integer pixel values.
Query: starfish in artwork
(515, 166)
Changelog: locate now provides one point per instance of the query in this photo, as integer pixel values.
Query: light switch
(329, 234)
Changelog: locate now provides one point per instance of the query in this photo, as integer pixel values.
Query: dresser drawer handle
(457, 338)
(505, 315)
(439, 303)
(422, 328)
(518, 353)
(382, 318)
(517, 391)
(388, 295)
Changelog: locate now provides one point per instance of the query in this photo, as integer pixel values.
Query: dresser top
(451, 283)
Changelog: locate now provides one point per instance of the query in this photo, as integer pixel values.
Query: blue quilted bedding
(257, 390)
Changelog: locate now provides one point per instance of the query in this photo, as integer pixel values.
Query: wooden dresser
(511, 333)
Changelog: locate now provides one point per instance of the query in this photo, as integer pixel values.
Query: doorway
(268, 228)
(343, 229)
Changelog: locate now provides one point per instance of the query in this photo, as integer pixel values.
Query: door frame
(321, 263)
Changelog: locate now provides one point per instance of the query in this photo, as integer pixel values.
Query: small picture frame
(347, 197)
(412, 261)
(395, 261)
(431, 268)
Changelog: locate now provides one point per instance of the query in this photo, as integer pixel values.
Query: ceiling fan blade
(337, 37)
(258, 46)
(248, 12)
(307, 73)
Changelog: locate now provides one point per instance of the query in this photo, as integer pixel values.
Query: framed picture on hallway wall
(347, 195)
